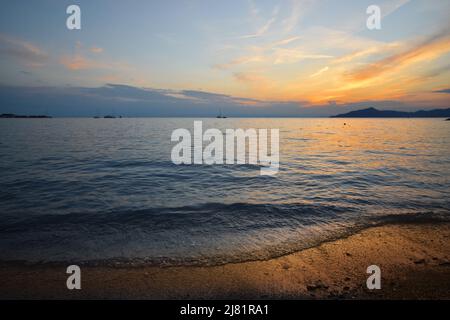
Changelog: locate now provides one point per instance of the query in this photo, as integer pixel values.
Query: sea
(105, 191)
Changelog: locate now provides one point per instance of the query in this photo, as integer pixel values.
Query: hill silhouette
(375, 113)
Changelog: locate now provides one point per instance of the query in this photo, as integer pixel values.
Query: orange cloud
(96, 50)
(256, 82)
(238, 61)
(78, 62)
(22, 51)
(427, 50)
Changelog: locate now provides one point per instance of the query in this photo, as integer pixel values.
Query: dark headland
(14, 116)
(375, 113)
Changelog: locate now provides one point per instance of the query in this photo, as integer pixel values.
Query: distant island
(12, 115)
(375, 113)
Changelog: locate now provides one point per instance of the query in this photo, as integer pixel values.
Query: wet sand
(414, 261)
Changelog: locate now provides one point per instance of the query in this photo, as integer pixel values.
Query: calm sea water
(105, 190)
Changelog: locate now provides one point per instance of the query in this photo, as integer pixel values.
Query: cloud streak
(89, 59)
(96, 50)
(24, 52)
(264, 28)
(429, 49)
(318, 73)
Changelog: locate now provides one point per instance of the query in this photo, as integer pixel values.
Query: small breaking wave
(205, 234)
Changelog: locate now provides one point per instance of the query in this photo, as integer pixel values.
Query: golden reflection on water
(373, 156)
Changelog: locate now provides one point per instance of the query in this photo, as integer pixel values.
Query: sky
(193, 57)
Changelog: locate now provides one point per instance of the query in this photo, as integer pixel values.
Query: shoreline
(215, 261)
(414, 259)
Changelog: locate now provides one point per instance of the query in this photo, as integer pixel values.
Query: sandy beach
(414, 261)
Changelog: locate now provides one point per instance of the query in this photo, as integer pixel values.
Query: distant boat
(220, 116)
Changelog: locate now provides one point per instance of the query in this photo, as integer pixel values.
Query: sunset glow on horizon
(314, 53)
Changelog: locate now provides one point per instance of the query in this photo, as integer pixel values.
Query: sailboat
(220, 116)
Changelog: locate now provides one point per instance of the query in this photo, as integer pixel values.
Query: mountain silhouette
(375, 113)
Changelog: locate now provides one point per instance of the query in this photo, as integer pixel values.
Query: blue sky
(301, 53)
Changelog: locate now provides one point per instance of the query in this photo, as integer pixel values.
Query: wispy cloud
(96, 50)
(292, 21)
(318, 73)
(286, 41)
(260, 31)
(250, 77)
(240, 61)
(390, 7)
(254, 80)
(254, 11)
(294, 55)
(79, 62)
(428, 49)
(379, 49)
(89, 58)
(264, 28)
(23, 51)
